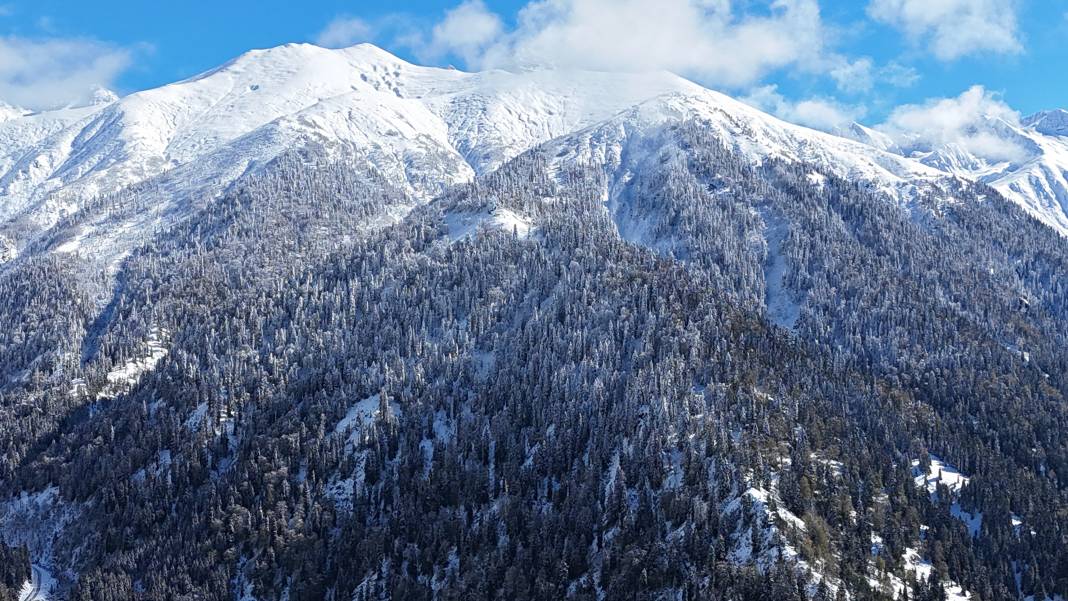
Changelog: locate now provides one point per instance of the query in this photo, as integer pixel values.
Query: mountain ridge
(427, 127)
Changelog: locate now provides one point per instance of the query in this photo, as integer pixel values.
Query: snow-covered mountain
(411, 121)
(298, 327)
(1031, 168)
(422, 127)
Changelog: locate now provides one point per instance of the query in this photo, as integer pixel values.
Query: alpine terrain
(327, 325)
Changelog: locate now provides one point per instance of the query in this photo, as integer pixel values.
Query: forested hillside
(663, 371)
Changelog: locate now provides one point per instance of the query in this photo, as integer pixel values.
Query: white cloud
(698, 38)
(818, 113)
(970, 121)
(53, 72)
(854, 76)
(898, 75)
(344, 31)
(466, 31)
(954, 28)
(861, 76)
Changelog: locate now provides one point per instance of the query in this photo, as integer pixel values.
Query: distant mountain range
(1036, 178)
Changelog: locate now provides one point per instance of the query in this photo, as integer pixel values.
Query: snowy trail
(33, 591)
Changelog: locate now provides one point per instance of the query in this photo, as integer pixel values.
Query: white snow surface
(39, 587)
(126, 374)
(615, 144)
(464, 225)
(361, 416)
(939, 472)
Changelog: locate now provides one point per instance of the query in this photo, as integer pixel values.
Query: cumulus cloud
(699, 38)
(466, 31)
(898, 75)
(50, 73)
(819, 113)
(954, 28)
(854, 76)
(344, 31)
(973, 121)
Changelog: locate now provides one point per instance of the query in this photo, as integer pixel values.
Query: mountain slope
(198, 135)
(426, 128)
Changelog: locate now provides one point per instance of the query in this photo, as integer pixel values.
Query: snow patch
(939, 472)
(465, 225)
(124, 376)
(40, 587)
(362, 415)
(783, 309)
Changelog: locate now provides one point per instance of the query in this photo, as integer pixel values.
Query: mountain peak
(100, 96)
(1051, 123)
(8, 111)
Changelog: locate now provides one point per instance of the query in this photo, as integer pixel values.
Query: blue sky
(811, 61)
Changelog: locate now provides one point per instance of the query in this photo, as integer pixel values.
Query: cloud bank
(49, 73)
(699, 38)
(970, 121)
(818, 113)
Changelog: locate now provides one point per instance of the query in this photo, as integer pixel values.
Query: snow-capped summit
(213, 127)
(100, 96)
(1025, 160)
(10, 112)
(866, 135)
(751, 134)
(1051, 123)
(423, 128)
(1033, 171)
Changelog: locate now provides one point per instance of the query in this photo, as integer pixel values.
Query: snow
(817, 179)
(196, 418)
(770, 526)
(8, 252)
(424, 128)
(923, 569)
(782, 309)
(123, 376)
(465, 225)
(972, 521)
(34, 520)
(362, 415)
(939, 472)
(942, 473)
(751, 134)
(913, 563)
(1037, 180)
(40, 586)
(1051, 123)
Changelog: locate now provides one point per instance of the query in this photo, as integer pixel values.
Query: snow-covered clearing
(939, 472)
(465, 225)
(123, 376)
(361, 416)
(783, 309)
(40, 586)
